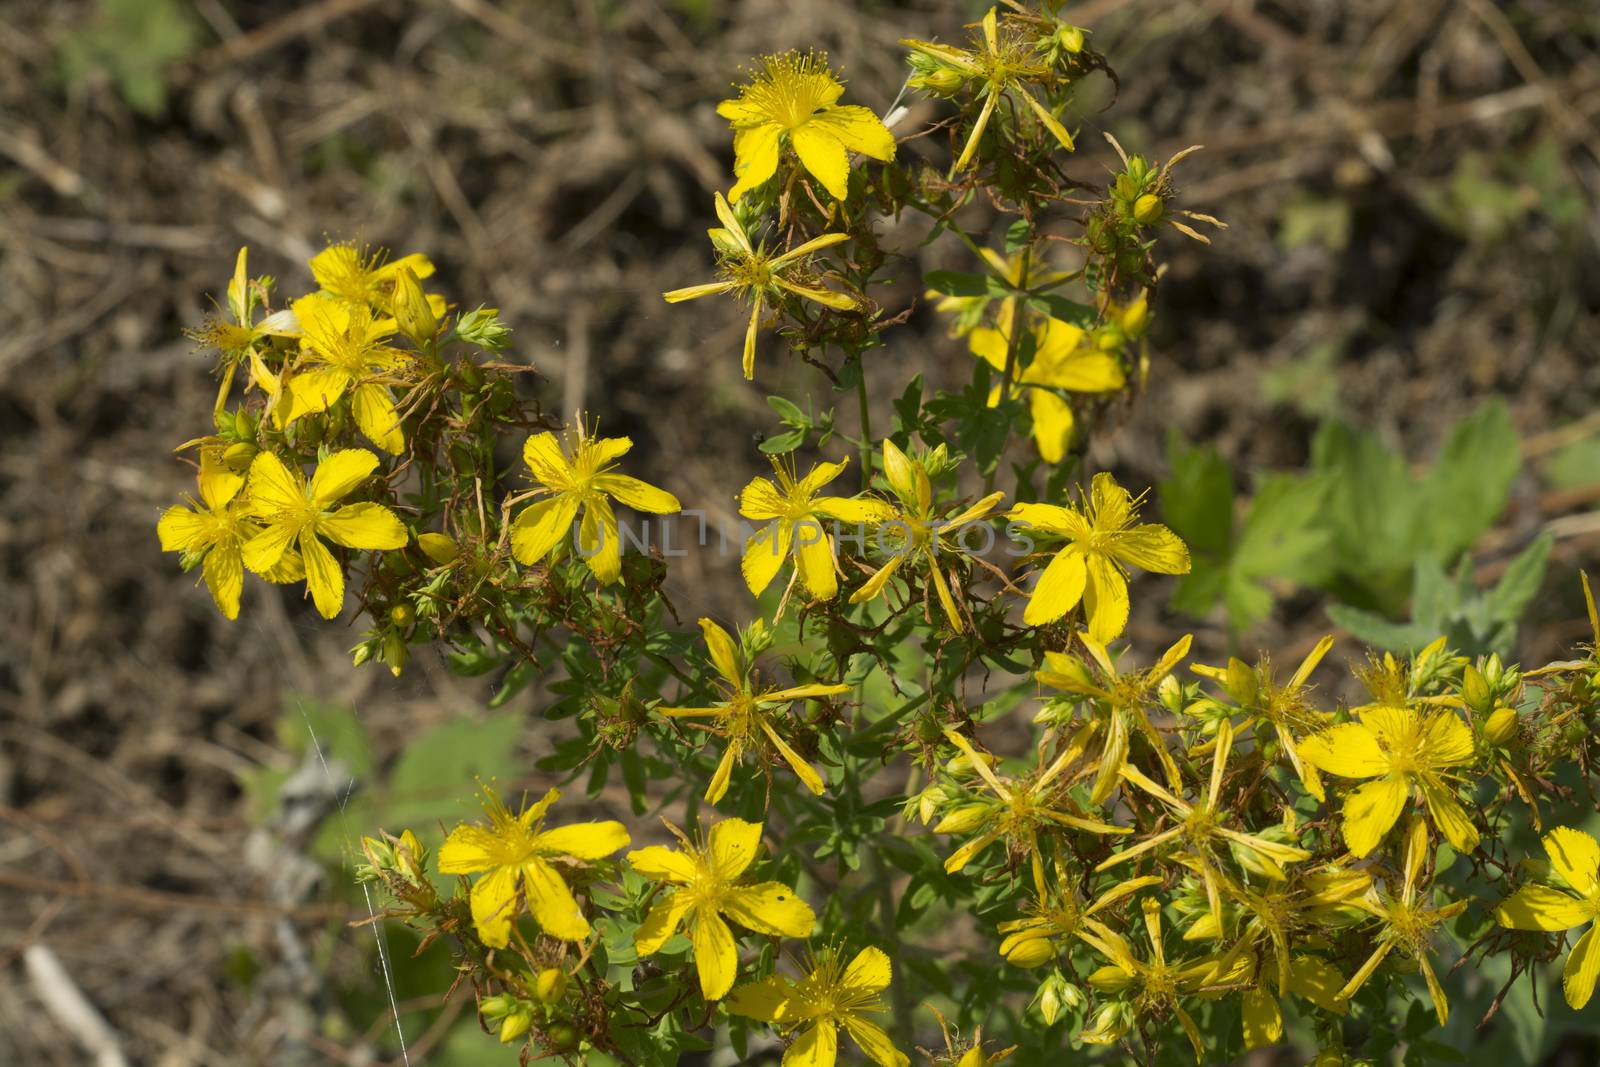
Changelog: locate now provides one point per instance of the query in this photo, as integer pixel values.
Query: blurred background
(1411, 196)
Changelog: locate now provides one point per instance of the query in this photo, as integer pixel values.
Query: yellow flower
(1402, 750)
(828, 995)
(1201, 828)
(1284, 710)
(1575, 857)
(1122, 698)
(520, 856)
(796, 96)
(916, 532)
(346, 345)
(794, 514)
(745, 716)
(211, 532)
(295, 512)
(1034, 940)
(1408, 922)
(1062, 362)
(346, 272)
(709, 890)
(1003, 66)
(762, 278)
(1156, 984)
(1101, 540)
(577, 474)
(1025, 806)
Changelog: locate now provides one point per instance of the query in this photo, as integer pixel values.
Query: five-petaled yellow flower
(521, 856)
(916, 533)
(344, 271)
(577, 474)
(1101, 539)
(761, 277)
(212, 532)
(347, 346)
(296, 513)
(708, 891)
(745, 716)
(1002, 65)
(828, 995)
(796, 97)
(1575, 857)
(1401, 749)
(1408, 922)
(795, 515)
(1062, 362)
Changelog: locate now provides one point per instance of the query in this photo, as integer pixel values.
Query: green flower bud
(1501, 727)
(1475, 689)
(438, 547)
(1071, 38)
(1148, 209)
(550, 985)
(412, 312)
(1032, 952)
(237, 457)
(962, 819)
(482, 327)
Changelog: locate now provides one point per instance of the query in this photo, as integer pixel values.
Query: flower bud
(1071, 38)
(550, 985)
(1054, 995)
(1148, 209)
(1241, 682)
(1135, 318)
(1170, 693)
(561, 1037)
(963, 819)
(482, 327)
(1475, 689)
(973, 1057)
(395, 652)
(515, 1025)
(412, 312)
(1111, 979)
(1501, 726)
(1031, 952)
(945, 81)
(236, 457)
(402, 614)
(438, 547)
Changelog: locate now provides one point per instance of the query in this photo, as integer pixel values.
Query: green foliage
(1358, 525)
(133, 43)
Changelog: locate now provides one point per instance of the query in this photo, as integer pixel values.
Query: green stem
(866, 423)
(1013, 344)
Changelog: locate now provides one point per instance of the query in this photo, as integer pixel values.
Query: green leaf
(955, 283)
(1378, 632)
(1521, 580)
(1470, 481)
(431, 780)
(787, 411)
(1197, 496)
(779, 444)
(1059, 307)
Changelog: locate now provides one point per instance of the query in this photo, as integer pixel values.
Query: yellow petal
(898, 472)
(1446, 740)
(1154, 548)
(764, 554)
(1052, 424)
(324, 577)
(1371, 811)
(1448, 815)
(819, 476)
(874, 1042)
(375, 414)
(718, 788)
(542, 453)
(267, 549)
(584, 840)
(1540, 907)
(1263, 1022)
(273, 487)
(755, 158)
(761, 500)
(341, 472)
(747, 360)
(467, 850)
(825, 297)
(1583, 966)
(314, 391)
(822, 154)
(804, 771)
(813, 552)
(863, 509)
(1348, 750)
(816, 1047)
(874, 585)
(868, 973)
(724, 651)
(989, 345)
(661, 923)
(369, 526)
(1105, 599)
(600, 542)
(733, 845)
(1317, 981)
(716, 957)
(1576, 857)
(695, 292)
(551, 902)
(770, 908)
(857, 128)
(182, 530)
(1051, 518)
(494, 905)
(640, 496)
(662, 864)
(1050, 122)
(764, 1000)
(224, 574)
(540, 527)
(1059, 588)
